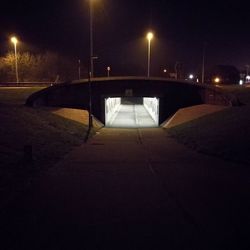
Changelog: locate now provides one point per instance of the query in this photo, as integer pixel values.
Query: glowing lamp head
(108, 68)
(14, 40)
(217, 80)
(165, 71)
(191, 76)
(150, 36)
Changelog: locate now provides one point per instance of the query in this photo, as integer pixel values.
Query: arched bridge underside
(161, 97)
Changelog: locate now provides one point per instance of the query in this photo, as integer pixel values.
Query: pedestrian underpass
(132, 112)
(147, 111)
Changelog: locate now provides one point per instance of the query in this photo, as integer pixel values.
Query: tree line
(46, 67)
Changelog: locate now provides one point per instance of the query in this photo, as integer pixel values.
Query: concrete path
(132, 116)
(133, 189)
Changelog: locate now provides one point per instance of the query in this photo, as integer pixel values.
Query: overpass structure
(106, 97)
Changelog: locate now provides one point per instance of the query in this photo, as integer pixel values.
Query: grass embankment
(51, 136)
(225, 134)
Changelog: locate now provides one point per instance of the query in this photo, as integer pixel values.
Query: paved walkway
(133, 189)
(132, 116)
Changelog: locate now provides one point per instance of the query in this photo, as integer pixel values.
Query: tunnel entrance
(132, 112)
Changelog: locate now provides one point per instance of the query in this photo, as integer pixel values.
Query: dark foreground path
(133, 189)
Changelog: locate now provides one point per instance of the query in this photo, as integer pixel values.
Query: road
(133, 189)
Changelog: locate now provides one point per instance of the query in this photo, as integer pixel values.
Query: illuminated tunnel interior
(132, 112)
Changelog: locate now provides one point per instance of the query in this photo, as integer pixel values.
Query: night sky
(181, 29)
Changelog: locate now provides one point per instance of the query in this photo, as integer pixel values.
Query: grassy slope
(225, 134)
(51, 136)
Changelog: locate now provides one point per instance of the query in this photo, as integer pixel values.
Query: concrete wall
(111, 107)
(173, 95)
(152, 106)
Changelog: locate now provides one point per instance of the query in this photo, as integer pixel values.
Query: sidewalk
(134, 189)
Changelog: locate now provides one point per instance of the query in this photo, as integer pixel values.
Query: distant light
(248, 77)
(14, 40)
(165, 71)
(191, 76)
(150, 36)
(241, 82)
(108, 70)
(217, 80)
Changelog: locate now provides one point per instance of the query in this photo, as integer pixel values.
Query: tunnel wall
(152, 106)
(111, 106)
(173, 95)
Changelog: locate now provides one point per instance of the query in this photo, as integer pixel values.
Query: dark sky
(181, 28)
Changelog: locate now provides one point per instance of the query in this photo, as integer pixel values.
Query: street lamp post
(203, 63)
(91, 63)
(150, 36)
(15, 41)
(91, 37)
(79, 69)
(165, 72)
(108, 71)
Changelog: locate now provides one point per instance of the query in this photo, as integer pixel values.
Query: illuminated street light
(191, 76)
(217, 80)
(150, 36)
(108, 70)
(15, 41)
(79, 69)
(165, 72)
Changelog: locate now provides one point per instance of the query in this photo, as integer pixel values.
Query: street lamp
(150, 36)
(217, 80)
(203, 63)
(191, 76)
(91, 63)
(15, 41)
(79, 69)
(108, 70)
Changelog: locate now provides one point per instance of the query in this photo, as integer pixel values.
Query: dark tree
(227, 74)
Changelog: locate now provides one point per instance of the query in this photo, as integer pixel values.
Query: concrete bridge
(160, 97)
